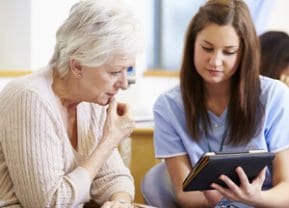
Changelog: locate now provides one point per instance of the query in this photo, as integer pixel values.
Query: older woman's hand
(119, 123)
(117, 204)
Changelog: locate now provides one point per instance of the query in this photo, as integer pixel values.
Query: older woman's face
(217, 52)
(100, 84)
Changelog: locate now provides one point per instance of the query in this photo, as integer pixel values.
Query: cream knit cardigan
(38, 166)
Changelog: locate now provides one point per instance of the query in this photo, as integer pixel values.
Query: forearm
(192, 199)
(274, 197)
(98, 157)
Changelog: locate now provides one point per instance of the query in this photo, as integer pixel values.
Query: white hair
(94, 31)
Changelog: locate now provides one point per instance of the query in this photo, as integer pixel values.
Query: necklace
(224, 135)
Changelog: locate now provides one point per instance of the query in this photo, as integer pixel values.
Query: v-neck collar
(218, 120)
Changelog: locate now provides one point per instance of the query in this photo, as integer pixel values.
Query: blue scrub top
(171, 137)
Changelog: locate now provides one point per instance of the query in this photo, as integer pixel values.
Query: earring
(79, 75)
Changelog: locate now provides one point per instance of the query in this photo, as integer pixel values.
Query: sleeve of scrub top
(166, 139)
(277, 118)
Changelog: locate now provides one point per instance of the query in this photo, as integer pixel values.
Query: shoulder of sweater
(33, 86)
(38, 82)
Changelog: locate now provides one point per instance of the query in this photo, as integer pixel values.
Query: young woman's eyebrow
(227, 47)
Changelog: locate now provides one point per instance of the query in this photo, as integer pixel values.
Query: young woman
(222, 104)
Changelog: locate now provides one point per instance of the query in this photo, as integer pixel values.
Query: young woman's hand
(213, 197)
(248, 192)
(119, 123)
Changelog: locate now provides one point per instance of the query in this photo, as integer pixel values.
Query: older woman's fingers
(120, 204)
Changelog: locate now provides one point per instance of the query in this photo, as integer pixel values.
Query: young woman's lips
(215, 72)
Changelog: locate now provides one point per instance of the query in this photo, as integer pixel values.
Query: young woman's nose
(216, 59)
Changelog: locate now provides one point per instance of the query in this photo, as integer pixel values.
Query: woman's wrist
(122, 197)
(206, 203)
(107, 143)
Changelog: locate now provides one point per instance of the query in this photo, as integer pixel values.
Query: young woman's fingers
(260, 178)
(244, 181)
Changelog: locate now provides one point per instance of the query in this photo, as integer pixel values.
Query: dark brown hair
(274, 53)
(244, 110)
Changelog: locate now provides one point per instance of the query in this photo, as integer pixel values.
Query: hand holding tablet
(211, 165)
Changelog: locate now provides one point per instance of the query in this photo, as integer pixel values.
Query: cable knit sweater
(38, 165)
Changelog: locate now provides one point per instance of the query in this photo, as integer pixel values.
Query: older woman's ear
(75, 68)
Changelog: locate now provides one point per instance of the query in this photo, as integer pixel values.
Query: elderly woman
(60, 126)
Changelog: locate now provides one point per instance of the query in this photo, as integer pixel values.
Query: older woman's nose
(123, 81)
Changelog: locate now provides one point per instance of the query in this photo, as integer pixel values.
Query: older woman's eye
(115, 72)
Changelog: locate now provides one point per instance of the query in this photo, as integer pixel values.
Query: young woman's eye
(229, 52)
(208, 49)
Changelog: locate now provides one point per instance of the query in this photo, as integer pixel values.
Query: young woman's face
(217, 53)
